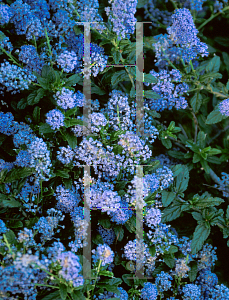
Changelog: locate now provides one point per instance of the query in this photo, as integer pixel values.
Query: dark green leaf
(116, 56)
(167, 143)
(127, 279)
(182, 180)
(11, 238)
(149, 94)
(105, 223)
(213, 65)
(200, 235)
(22, 104)
(169, 260)
(72, 80)
(193, 272)
(45, 128)
(71, 112)
(196, 102)
(176, 154)
(36, 114)
(152, 251)
(106, 273)
(167, 197)
(15, 224)
(62, 173)
(205, 166)
(119, 76)
(214, 117)
(119, 232)
(63, 291)
(197, 216)
(53, 296)
(17, 173)
(10, 203)
(43, 83)
(150, 78)
(31, 98)
(71, 139)
(141, 3)
(201, 139)
(72, 122)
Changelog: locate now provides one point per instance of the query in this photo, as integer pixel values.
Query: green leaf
(209, 201)
(96, 90)
(173, 249)
(167, 143)
(119, 232)
(176, 154)
(106, 273)
(71, 111)
(17, 173)
(193, 272)
(22, 104)
(201, 139)
(71, 139)
(141, 3)
(167, 197)
(45, 128)
(149, 78)
(213, 65)
(127, 279)
(112, 288)
(119, 76)
(197, 216)
(200, 235)
(11, 238)
(152, 251)
(15, 224)
(116, 55)
(72, 122)
(182, 180)
(53, 296)
(43, 83)
(149, 94)
(36, 114)
(169, 260)
(78, 295)
(196, 102)
(205, 166)
(63, 291)
(214, 117)
(31, 98)
(196, 158)
(62, 173)
(10, 203)
(214, 151)
(72, 80)
(105, 223)
(173, 212)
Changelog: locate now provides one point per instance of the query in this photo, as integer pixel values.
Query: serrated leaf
(169, 260)
(15, 224)
(182, 180)
(10, 203)
(62, 173)
(149, 94)
(214, 117)
(45, 128)
(17, 173)
(167, 143)
(36, 114)
(167, 197)
(213, 65)
(119, 232)
(119, 76)
(72, 80)
(200, 235)
(43, 83)
(31, 98)
(53, 296)
(193, 272)
(22, 104)
(63, 291)
(149, 78)
(196, 102)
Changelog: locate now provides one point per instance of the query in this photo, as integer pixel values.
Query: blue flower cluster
(66, 199)
(153, 217)
(71, 268)
(170, 89)
(29, 56)
(55, 118)
(191, 291)
(67, 61)
(65, 155)
(224, 107)
(14, 78)
(5, 42)
(156, 15)
(66, 98)
(108, 235)
(5, 14)
(121, 15)
(163, 282)
(103, 253)
(149, 291)
(26, 237)
(196, 5)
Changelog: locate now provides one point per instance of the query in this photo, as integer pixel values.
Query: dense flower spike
(67, 199)
(67, 61)
(121, 15)
(14, 78)
(29, 56)
(224, 107)
(103, 253)
(5, 14)
(55, 119)
(191, 291)
(149, 291)
(171, 90)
